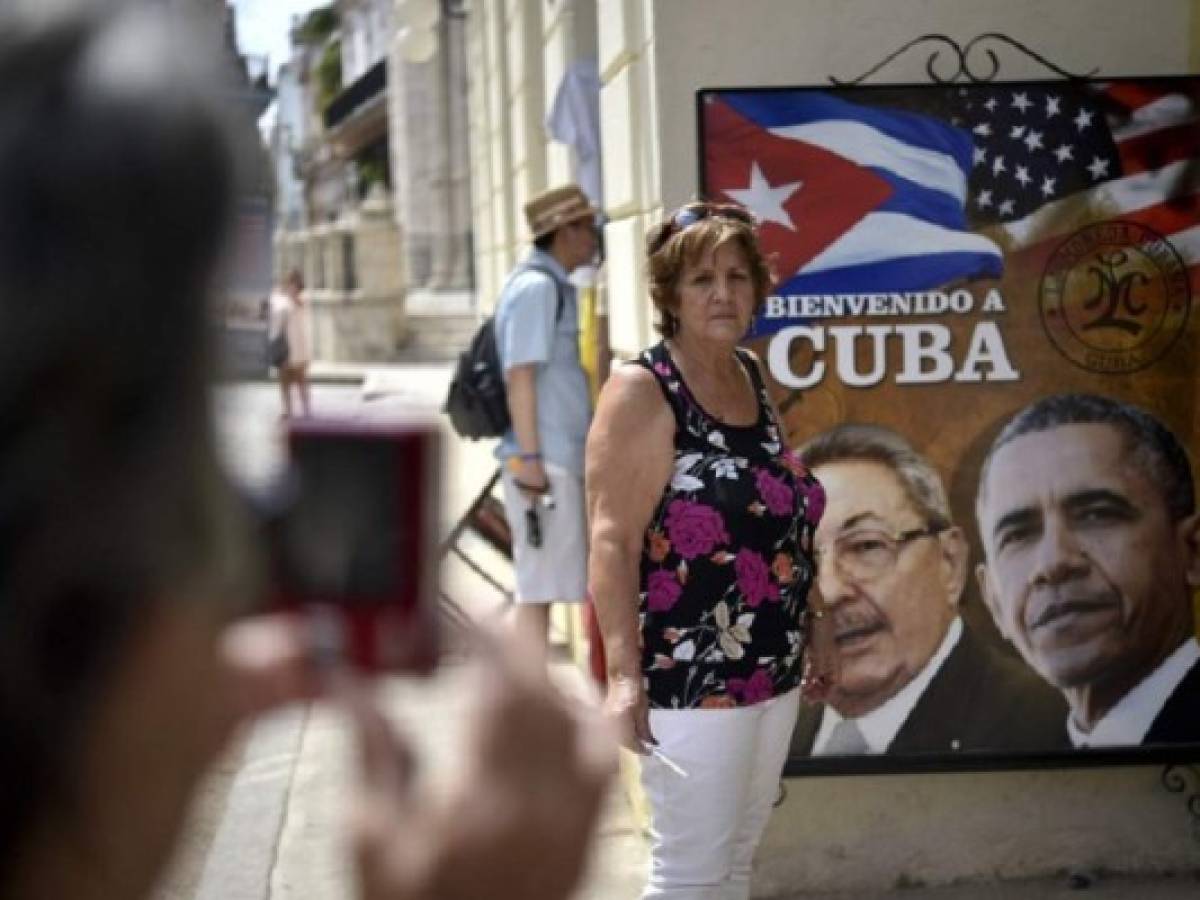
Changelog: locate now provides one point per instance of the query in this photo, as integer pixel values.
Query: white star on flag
(1048, 186)
(1052, 107)
(1098, 167)
(1033, 141)
(1022, 102)
(1083, 120)
(765, 200)
(1064, 153)
(1022, 175)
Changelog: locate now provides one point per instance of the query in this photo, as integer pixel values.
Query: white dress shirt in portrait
(1126, 723)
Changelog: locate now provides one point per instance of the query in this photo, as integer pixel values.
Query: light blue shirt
(527, 332)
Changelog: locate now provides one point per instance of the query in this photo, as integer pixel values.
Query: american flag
(1033, 144)
(1149, 175)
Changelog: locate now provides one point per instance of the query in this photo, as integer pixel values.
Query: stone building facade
(375, 140)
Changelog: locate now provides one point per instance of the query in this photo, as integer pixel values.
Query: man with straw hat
(537, 339)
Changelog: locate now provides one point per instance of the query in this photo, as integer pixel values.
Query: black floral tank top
(727, 560)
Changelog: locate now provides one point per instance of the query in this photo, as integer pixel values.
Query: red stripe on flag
(1136, 94)
(1133, 95)
(1156, 149)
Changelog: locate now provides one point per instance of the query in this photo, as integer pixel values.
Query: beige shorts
(556, 571)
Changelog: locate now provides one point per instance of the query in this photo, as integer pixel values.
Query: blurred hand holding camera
(516, 824)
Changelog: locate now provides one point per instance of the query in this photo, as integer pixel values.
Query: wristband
(530, 457)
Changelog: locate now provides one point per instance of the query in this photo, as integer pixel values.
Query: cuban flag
(851, 199)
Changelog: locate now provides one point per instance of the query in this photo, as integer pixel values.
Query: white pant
(705, 827)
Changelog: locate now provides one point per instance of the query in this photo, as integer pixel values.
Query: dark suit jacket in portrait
(980, 699)
(1178, 722)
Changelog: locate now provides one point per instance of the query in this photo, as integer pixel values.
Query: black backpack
(476, 401)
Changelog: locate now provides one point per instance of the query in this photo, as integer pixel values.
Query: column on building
(428, 129)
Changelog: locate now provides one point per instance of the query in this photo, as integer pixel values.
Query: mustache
(852, 623)
(1052, 604)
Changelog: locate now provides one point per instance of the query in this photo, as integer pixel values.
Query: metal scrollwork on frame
(975, 61)
(1183, 779)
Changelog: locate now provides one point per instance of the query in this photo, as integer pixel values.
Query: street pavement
(266, 822)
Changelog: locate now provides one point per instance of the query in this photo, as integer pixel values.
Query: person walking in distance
(290, 318)
(537, 340)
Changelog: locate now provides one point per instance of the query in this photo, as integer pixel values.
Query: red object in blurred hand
(353, 549)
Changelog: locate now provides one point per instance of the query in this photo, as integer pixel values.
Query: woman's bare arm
(630, 455)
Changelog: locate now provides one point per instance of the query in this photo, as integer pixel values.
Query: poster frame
(1169, 755)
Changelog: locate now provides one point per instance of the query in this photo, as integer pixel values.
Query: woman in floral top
(701, 558)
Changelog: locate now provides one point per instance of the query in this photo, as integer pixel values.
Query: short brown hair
(688, 234)
(853, 442)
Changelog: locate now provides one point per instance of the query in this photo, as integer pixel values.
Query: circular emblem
(1114, 297)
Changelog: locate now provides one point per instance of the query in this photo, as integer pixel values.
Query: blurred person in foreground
(701, 535)
(125, 552)
(913, 677)
(1086, 506)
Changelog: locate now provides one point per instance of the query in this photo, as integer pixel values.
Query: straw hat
(557, 207)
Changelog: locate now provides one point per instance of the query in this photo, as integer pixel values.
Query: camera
(352, 543)
(533, 521)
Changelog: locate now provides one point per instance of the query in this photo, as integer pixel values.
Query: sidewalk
(278, 836)
(1112, 888)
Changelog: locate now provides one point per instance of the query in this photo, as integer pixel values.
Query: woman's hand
(628, 708)
(267, 663)
(532, 480)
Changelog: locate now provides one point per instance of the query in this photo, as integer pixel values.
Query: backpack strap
(558, 288)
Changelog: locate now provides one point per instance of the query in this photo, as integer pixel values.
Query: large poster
(982, 336)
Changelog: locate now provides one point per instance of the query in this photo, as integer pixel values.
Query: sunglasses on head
(687, 216)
